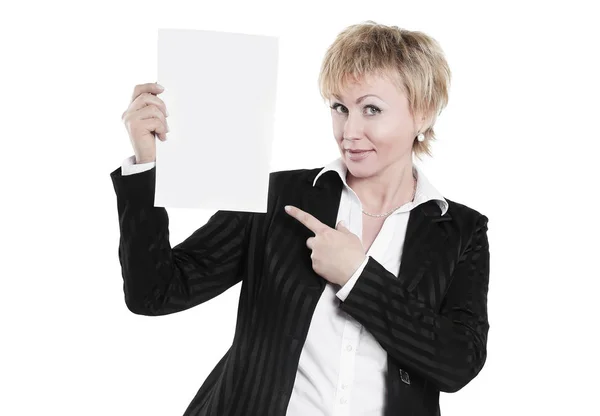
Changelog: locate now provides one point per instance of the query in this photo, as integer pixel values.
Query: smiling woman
(386, 87)
(410, 60)
(364, 289)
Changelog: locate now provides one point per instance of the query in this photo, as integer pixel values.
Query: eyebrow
(360, 98)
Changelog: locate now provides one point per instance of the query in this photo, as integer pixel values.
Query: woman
(364, 290)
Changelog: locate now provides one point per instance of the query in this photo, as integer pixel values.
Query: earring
(421, 137)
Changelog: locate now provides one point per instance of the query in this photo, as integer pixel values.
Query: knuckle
(139, 97)
(137, 91)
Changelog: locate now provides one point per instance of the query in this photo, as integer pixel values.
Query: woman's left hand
(336, 252)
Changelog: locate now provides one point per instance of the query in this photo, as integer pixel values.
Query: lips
(356, 155)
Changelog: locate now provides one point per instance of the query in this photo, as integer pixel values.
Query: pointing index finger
(305, 218)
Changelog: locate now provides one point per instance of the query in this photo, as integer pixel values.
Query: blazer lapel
(322, 201)
(426, 252)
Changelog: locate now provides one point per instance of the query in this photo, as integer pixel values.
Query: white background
(518, 142)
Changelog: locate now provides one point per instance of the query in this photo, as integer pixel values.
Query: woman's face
(373, 117)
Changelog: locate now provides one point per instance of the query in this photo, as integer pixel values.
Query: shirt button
(349, 348)
(343, 400)
(344, 386)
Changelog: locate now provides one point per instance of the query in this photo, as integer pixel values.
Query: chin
(360, 170)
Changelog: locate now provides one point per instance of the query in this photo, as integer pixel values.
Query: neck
(386, 190)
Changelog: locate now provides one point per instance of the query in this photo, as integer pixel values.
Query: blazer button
(404, 376)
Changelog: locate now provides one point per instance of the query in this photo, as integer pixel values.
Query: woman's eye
(375, 109)
(338, 106)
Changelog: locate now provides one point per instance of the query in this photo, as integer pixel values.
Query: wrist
(143, 160)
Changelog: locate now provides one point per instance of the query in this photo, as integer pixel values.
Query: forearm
(158, 280)
(447, 348)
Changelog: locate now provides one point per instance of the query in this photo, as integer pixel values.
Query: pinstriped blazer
(431, 319)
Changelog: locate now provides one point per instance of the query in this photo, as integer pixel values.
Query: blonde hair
(412, 60)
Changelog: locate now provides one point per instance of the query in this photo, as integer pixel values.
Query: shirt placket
(351, 332)
(350, 338)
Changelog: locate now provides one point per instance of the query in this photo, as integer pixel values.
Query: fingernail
(287, 208)
(160, 86)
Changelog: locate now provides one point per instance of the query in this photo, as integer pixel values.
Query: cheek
(386, 127)
(390, 133)
(338, 128)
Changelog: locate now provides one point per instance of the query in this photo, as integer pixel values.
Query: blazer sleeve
(158, 279)
(447, 348)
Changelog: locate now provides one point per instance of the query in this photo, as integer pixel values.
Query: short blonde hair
(412, 60)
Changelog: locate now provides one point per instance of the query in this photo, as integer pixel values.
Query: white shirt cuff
(343, 293)
(129, 167)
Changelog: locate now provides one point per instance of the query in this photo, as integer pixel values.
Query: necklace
(392, 210)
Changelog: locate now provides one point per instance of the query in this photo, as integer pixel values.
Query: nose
(353, 127)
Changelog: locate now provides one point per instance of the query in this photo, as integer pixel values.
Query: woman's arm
(447, 348)
(158, 279)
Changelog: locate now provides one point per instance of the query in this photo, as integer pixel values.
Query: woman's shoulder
(284, 178)
(465, 214)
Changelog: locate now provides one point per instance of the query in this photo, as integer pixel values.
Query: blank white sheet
(220, 91)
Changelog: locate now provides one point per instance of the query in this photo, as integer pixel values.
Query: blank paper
(220, 91)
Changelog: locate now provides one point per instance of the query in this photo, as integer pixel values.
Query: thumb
(342, 227)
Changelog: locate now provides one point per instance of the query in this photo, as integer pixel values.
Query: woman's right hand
(145, 115)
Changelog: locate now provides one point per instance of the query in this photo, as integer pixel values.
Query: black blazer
(431, 319)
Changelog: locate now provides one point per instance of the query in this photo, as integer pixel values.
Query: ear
(420, 123)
